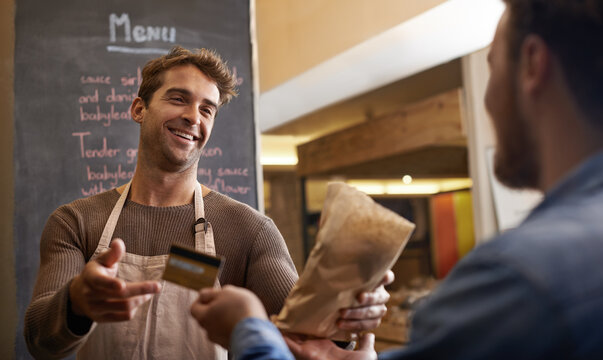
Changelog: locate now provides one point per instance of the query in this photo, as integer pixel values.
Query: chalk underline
(133, 50)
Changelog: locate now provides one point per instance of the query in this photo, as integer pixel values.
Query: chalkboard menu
(77, 68)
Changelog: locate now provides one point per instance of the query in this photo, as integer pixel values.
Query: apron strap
(105, 239)
(204, 239)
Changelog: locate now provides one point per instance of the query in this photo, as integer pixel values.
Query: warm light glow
(278, 160)
(394, 189)
(417, 187)
(455, 184)
(407, 179)
(370, 188)
(280, 149)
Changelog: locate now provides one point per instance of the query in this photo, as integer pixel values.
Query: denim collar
(583, 179)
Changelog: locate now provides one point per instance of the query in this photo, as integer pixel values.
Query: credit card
(191, 268)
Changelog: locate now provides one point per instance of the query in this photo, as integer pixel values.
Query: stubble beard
(515, 160)
(177, 163)
(164, 157)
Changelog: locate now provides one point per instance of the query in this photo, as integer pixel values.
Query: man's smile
(183, 134)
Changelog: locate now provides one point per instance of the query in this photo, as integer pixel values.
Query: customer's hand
(219, 310)
(320, 349)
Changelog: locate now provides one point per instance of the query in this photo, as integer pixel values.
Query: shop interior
(384, 95)
(417, 142)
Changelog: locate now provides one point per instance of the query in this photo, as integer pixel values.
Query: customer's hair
(573, 30)
(207, 61)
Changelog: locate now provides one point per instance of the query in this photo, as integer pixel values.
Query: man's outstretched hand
(99, 295)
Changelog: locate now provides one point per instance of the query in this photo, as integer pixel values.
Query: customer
(534, 292)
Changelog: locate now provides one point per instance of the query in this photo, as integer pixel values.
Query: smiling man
(104, 299)
(102, 296)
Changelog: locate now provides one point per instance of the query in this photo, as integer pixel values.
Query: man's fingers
(362, 318)
(366, 342)
(96, 278)
(379, 296)
(106, 307)
(140, 288)
(199, 307)
(103, 287)
(358, 325)
(388, 278)
(364, 313)
(295, 348)
(207, 295)
(116, 250)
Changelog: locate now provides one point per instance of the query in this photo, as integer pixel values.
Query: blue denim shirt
(534, 292)
(256, 339)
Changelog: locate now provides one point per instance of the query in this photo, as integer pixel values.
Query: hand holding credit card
(191, 268)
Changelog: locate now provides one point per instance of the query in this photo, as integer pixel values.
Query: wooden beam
(435, 122)
(428, 162)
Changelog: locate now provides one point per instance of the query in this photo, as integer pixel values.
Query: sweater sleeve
(271, 273)
(46, 327)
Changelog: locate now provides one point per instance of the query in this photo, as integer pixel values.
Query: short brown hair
(208, 61)
(573, 30)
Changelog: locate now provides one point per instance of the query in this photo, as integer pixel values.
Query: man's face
(515, 163)
(178, 120)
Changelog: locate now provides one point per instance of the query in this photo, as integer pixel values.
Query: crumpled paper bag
(357, 242)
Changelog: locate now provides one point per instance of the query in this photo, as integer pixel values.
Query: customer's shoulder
(550, 246)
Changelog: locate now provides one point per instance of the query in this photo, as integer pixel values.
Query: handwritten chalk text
(104, 117)
(112, 177)
(139, 33)
(88, 153)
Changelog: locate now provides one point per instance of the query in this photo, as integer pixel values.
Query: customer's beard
(515, 161)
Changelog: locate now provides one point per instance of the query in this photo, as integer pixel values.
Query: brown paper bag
(357, 242)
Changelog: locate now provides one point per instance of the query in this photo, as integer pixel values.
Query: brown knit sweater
(255, 252)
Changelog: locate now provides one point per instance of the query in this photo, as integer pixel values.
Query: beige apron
(162, 327)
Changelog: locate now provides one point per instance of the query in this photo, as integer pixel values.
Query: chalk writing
(131, 154)
(206, 176)
(94, 189)
(103, 102)
(104, 117)
(211, 152)
(132, 80)
(205, 173)
(220, 185)
(114, 97)
(233, 172)
(95, 153)
(239, 79)
(97, 79)
(87, 99)
(112, 177)
(139, 33)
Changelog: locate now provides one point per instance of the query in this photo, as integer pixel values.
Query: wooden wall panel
(435, 122)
